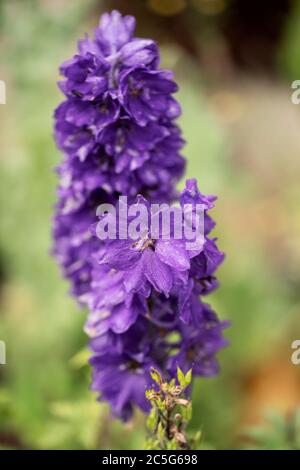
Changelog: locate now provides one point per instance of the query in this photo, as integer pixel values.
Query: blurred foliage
(243, 144)
(167, 7)
(278, 433)
(289, 54)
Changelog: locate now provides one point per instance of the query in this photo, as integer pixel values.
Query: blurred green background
(234, 61)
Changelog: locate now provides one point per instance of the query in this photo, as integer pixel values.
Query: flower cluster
(117, 132)
(146, 310)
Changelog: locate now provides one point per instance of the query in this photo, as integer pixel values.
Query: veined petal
(173, 253)
(157, 273)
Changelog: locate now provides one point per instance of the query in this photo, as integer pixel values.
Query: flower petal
(157, 273)
(173, 253)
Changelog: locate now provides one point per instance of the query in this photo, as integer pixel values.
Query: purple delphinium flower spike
(158, 338)
(117, 131)
(146, 301)
(107, 148)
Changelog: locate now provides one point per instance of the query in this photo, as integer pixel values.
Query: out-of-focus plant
(170, 413)
(279, 432)
(167, 7)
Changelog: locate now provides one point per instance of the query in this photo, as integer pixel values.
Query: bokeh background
(234, 61)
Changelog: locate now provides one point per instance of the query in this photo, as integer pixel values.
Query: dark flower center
(136, 91)
(143, 244)
(133, 365)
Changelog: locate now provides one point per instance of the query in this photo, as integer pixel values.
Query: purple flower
(121, 362)
(158, 264)
(117, 131)
(120, 372)
(145, 94)
(192, 195)
(129, 144)
(163, 262)
(106, 150)
(74, 244)
(86, 77)
(114, 40)
(142, 52)
(157, 259)
(200, 345)
(114, 31)
(111, 308)
(78, 125)
(206, 263)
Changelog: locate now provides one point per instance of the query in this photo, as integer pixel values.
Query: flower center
(143, 244)
(133, 365)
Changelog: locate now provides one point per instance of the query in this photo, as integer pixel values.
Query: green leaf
(187, 412)
(155, 375)
(160, 431)
(172, 445)
(188, 377)
(181, 377)
(80, 359)
(172, 383)
(152, 420)
(160, 404)
(150, 394)
(197, 439)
